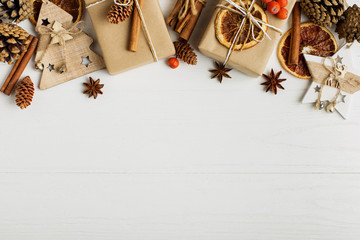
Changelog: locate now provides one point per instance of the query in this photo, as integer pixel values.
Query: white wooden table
(170, 154)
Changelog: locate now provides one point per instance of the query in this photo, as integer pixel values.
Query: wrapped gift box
(251, 61)
(114, 38)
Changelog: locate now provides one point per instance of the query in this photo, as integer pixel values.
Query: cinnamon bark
(295, 36)
(186, 26)
(135, 28)
(172, 19)
(16, 65)
(190, 26)
(21, 66)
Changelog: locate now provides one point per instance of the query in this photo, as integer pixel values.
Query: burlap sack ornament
(335, 80)
(64, 50)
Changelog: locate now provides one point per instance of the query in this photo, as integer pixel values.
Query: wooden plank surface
(171, 154)
(179, 206)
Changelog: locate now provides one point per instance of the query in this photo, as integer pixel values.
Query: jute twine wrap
(185, 7)
(61, 35)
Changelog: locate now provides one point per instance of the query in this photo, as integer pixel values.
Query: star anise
(93, 87)
(273, 81)
(220, 71)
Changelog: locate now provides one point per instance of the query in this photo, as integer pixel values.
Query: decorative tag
(334, 81)
(64, 50)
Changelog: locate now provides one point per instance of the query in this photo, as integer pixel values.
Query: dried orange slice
(73, 7)
(227, 24)
(315, 40)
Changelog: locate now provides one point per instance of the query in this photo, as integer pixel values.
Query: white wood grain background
(171, 154)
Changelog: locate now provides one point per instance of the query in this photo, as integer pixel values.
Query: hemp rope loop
(72, 31)
(185, 7)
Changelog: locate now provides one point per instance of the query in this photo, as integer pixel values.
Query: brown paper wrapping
(251, 61)
(114, 38)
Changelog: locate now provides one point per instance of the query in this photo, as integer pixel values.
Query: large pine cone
(25, 92)
(349, 25)
(12, 42)
(185, 52)
(323, 12)
(16, 10)
(118, 13)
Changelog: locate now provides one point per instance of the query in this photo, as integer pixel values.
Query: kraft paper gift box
(251, 61)
(114, 38)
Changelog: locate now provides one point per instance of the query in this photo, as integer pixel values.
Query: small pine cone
(12, 42)
(16, 10)
(118, 13)
(349, 26)
(323, 12)
(25, 92)
(185, 52)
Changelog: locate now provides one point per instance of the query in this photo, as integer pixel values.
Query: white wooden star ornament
(335, 80)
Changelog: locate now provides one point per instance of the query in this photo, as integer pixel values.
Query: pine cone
(16, 10)
(349, 25)
(12, 42)
(323, 12)
(25, 92)
(118, 13)
(185, 52)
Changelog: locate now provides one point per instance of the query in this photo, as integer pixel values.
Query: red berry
(266, 1)
(283, 13)
(283, 3)
(173, 62)
(273, 7)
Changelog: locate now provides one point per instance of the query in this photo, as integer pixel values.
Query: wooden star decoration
(220, 72)
(57, 27)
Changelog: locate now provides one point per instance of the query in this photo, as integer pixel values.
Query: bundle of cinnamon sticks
(19, 66)
(185, 25)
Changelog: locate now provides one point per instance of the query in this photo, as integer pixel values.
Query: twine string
(336, 75)
(61, 35)
(254, 22)
(185, 7)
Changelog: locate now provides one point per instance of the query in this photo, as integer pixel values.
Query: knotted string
(61, 36)
(253, 23)
(335, 79)
(185, 7)
(142, 19)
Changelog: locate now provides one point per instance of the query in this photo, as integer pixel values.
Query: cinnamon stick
(16, 65)
(171, 20)
(135, 28)
(190, 26)
(181, 25)
(295, 35)
(24, 62)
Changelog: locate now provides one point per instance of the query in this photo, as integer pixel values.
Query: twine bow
(335, 79)
(59, 35)
(254, 22)
(185, 7)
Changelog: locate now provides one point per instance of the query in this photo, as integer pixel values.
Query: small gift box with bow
(236, 22)
(113, 31)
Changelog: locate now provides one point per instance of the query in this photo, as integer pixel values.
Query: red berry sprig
(277, 8)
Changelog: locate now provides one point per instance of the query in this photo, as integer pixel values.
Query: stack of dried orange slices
(227, 25)
(315, 40)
